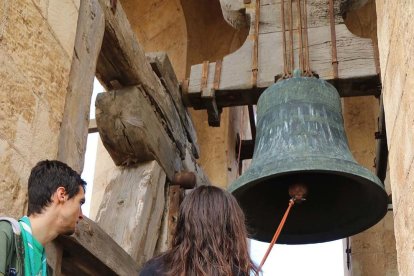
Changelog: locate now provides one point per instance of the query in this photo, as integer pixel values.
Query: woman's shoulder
(153, 267)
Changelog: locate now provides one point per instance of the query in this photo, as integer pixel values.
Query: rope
(204, 75)
(305, 23)
(255, 68)
(292, 59)
(276, 235)
(285, 65)
(217, 74)
(288, 54)
(300, 30)
(333, 39)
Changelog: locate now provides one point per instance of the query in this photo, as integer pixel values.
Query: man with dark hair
(56, 194)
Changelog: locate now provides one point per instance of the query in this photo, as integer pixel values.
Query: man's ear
(61, 194)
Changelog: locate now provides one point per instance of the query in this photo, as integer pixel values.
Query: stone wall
(396, 48)
(36, 48)
(373, 251)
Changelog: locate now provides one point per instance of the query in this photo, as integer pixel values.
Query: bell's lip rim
(330, 165)
(242, 181)
(322, 237)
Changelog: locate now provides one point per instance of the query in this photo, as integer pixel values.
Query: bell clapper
(298, 192)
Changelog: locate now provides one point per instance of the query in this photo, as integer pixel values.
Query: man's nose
(80, 214)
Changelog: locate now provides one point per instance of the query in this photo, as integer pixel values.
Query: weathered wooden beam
(90, 251)
(132, 208)
(122, 62)
(358, 86)
(74, 128)
(162, 67)
(357, 74)
(132, 131)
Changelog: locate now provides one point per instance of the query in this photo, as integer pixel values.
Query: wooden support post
(132, 208)
(162, 67)
(174, 198)
(74, 128)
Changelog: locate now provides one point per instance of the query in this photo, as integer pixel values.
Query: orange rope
(276, 236)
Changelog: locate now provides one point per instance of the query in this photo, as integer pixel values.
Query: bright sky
(323, 259)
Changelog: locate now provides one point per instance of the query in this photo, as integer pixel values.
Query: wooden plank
(90, 251)
(317, 15)
(132, 208)
(74, 128)
(123, 61)
(162, 67)
(358, 86)
(356, 59)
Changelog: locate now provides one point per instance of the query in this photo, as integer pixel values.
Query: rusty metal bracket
(186, 180)
(217, 74)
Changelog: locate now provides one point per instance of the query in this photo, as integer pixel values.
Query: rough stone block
(385, 23)
(404, 225)
(360, 122)
(62, 17)
(43, 6)
(32, 99)
(392, 92)
(77, 3)
(401, 155)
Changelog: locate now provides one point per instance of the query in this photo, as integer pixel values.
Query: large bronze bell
(301, 139)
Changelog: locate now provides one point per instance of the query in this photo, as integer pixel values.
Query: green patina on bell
(301, 139)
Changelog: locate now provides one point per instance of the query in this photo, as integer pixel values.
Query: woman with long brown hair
(210, 238)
